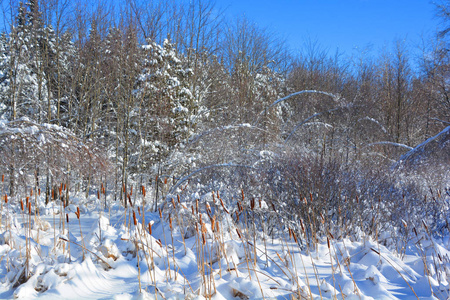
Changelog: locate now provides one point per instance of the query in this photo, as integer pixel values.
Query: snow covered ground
(198, 251)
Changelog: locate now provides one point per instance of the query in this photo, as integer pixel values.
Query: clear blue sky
(342, 24)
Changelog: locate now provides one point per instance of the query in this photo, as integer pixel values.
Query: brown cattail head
(98, 194)
(303, 226)
(60, 189)
(290, 233)
(6, 198)
(143, 191)
(21, 204)
(239, 206)
(31, 192)
(310, 197)
(170, 222)
(178, 199)
(139, 210)
(213, 222)
(159, 242)
(260, 203)
(134, 218)
(273, 207)
(150, 227)
(295, 237)
(415, 231)
(67, 218)
(328, 242)
(123, 188)
(165, 180)
(160, 213)
(78, 213)
(29, 208)
(27, 201)
(173, 203)
(196, 206)
(131, 191)
(129, 200)
(3, 178)
(39, 192)
(53, 194)
(203, 239)
(237, 216)
(238, 233)
(357, 199)
(192, 208)
(252, 203)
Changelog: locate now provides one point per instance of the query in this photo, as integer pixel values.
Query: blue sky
(349, 25)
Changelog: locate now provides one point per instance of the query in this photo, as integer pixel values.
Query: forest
(169, 104)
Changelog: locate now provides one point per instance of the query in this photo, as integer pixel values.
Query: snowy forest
(159, 119)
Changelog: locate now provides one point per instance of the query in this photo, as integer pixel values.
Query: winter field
(202, 249)
(219, 246)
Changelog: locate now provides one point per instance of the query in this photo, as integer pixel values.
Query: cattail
(242, 193)
(301, 224)
(159, 242)
(208, 208)
(29, 208)
(67, 218)
(273, 207)
(131, 191)
(218, 194)
(3, 178)
(203, 239)
(170, 222)
(178, 199)
(31, 192)
(237, 216)
(129, 200)
(239, 206)
(295, 237)
(53, 194)
(213, 221)
(78, 213)
(173, 203)
(328, 243)
(123, 188)
(192, 208)
(252, 203)
(331, 235)
(415, 231)
(238, 233)
(134, 218)
(165, 180)
(39, 192)
(139, 210)
(160, 213)
(143, 191)
(65, 187)
(27, 200)
(60, 189)
(6, 198)
(310, 197)
(150, 228)
(21, 204)
(290, 233)
(260, 203)
(98, 194)
(223, 206)
(357, 199)
(279, 256)
(196, 205)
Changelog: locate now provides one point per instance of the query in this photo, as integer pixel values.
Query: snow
(109, 257)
